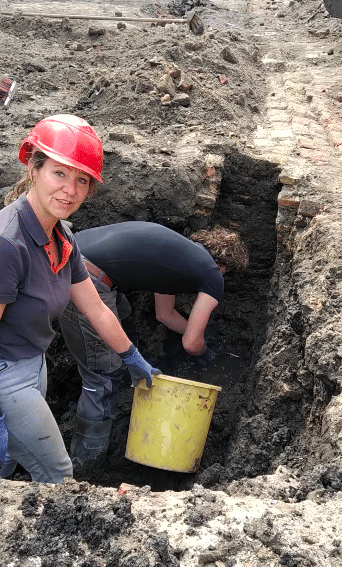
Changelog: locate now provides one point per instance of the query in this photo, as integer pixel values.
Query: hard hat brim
(25, 152)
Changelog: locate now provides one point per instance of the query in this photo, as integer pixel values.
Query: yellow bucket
(170, 422)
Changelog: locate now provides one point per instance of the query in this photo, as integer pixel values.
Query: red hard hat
(67, 139)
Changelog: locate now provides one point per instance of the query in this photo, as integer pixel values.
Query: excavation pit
(247, 203)
(284, 389)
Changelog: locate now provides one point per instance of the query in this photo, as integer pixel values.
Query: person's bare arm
(105, 323)
(193, 338)
(167, 314)
(2, 308)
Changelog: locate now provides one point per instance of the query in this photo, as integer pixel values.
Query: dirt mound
(176, 113)
(166, 104)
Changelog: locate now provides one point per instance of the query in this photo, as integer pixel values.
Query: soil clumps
(178, 114)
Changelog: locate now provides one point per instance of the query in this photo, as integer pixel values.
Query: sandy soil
(177, 114)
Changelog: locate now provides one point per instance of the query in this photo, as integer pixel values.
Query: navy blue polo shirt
(146, 256)
(34, 295)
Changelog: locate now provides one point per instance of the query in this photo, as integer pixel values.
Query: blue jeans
(99, 366)
(34, 439)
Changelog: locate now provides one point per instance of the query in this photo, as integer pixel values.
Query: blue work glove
(3, 438)
(207, 357)
(138, 367)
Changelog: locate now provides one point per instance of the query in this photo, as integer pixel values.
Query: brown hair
(224, 246)
(37, 160)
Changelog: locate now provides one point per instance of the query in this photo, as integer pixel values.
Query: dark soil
(269, 485)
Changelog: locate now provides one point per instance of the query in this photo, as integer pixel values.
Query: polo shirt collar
(32, 224)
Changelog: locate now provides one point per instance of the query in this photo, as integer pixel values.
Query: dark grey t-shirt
(145, 256)
(33, 294)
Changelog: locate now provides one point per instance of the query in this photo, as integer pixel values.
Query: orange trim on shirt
(66, 251)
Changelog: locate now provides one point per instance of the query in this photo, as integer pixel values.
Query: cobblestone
(277, 105)
(278, 116)
(302, 129)
(281, 133)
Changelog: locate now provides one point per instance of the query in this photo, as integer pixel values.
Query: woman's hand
(138, 367)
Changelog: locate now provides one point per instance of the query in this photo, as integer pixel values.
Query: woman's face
(58, 190)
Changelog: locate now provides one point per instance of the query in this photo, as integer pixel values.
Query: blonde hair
(36, 161)
(224, 246)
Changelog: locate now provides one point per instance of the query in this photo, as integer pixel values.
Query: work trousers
(99, 366)
(34, 439)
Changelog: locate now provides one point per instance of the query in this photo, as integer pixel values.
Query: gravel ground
(171, 106)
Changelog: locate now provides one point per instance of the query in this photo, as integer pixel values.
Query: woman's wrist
(128, 352)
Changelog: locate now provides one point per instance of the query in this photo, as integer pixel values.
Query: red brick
(335, 137)
(210, 172)
(287, 203)
(308, 144)
(213, 188)
(314, 155)
(301, 119)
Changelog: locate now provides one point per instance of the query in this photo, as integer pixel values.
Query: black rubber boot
(89, 445)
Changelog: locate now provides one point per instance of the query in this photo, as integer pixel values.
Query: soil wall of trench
(276, 334)
(277, 350)
(247, 202)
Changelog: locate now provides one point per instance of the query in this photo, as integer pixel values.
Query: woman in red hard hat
(41, 269)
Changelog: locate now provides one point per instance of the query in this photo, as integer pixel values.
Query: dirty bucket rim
(184, 381)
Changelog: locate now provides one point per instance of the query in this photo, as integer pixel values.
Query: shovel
(195, 23)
